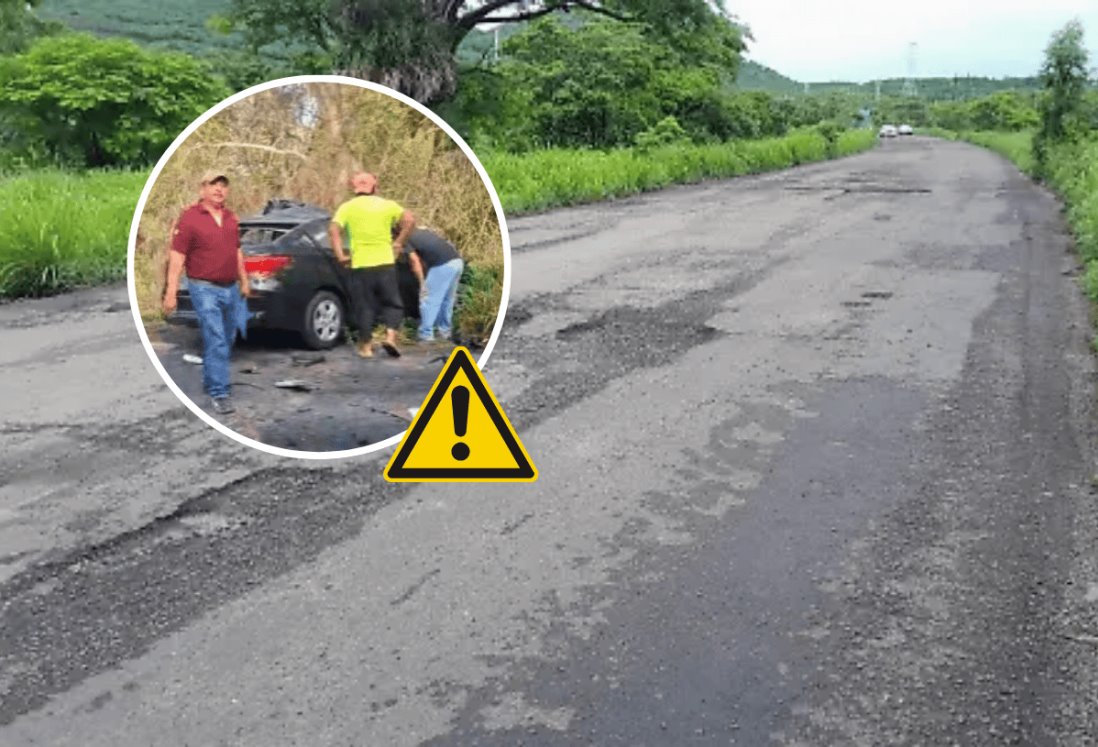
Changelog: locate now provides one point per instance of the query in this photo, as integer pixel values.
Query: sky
(860, 40)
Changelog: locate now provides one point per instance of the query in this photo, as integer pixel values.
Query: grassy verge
(62, 230)
(1072, 170)
(551, 178)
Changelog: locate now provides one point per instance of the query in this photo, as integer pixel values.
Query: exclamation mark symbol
(459, 398)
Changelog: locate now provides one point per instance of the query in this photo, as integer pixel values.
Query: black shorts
(376, 293)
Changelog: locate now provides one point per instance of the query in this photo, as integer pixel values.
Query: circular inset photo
(305, 257)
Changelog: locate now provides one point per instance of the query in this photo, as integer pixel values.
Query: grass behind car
(64, 230)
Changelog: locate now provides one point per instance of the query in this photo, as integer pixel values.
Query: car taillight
(266, 264)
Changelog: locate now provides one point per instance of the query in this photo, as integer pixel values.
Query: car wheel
(323, 323)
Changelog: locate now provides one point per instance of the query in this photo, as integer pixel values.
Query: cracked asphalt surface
(816, 461)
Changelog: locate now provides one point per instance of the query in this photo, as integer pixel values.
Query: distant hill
(754, 76)
(937, 89)
(180, 26)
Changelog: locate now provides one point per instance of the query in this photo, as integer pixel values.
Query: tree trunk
(427, 81)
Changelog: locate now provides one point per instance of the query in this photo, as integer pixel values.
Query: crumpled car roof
(283, 212)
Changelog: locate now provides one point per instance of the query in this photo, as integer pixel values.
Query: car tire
(324, 319)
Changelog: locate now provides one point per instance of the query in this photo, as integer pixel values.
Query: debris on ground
(295, 384)
(195, 359)
(307, 359)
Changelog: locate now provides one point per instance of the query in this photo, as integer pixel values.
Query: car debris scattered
(295, 384)
(307, 359)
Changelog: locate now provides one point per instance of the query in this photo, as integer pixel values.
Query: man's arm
(407, 223)
(245, 284)
(416, 265)
(335, 235)
(171, 290)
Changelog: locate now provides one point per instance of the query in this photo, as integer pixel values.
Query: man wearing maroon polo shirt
(206, 244)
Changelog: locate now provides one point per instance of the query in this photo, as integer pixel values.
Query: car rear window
(261, 235)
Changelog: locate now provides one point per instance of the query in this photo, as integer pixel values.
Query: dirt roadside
(340, 402)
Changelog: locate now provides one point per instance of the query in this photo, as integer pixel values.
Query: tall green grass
(1072, 169)
(63, 230)
(551, 178)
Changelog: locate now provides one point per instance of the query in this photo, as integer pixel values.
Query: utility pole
(909, 81)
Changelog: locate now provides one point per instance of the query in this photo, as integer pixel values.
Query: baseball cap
(213, 176)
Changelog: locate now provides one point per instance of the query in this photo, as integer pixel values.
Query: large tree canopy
(81, 100)
(409, 45)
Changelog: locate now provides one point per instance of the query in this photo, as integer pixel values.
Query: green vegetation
(410, 45)
(606, 84)
(64, 230)
(1060, 145)
(1062, 105)
(73, 99)
(549, 178)
(754, 76)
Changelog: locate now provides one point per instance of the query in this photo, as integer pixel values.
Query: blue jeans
(215, 307)
(436, 306)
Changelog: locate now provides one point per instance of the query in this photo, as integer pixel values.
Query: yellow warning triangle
(460, 434)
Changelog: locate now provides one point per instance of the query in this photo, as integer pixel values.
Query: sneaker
(365, 349)
(391, 349)
(223, 405)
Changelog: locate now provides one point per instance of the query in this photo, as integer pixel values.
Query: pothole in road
(637, 328)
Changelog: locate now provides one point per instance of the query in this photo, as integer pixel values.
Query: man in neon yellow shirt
(369, 221)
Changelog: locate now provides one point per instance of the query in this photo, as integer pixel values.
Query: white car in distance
(905, 129)
(887, 131)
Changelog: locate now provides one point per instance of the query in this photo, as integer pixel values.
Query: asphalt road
(816, 461)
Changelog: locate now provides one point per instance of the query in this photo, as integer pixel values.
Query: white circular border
(132, 286)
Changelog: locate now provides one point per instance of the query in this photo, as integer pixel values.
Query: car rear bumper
(186, 315)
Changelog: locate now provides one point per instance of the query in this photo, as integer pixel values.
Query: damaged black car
(297, 284)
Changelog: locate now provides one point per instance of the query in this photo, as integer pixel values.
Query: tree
(102, 102)
(597, 82)
(1064, 77)
(409, 45)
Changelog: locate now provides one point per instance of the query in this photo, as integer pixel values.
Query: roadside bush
(664, 132)
(830, 132)
(101, 102)
(478, 298)
(855, 141)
